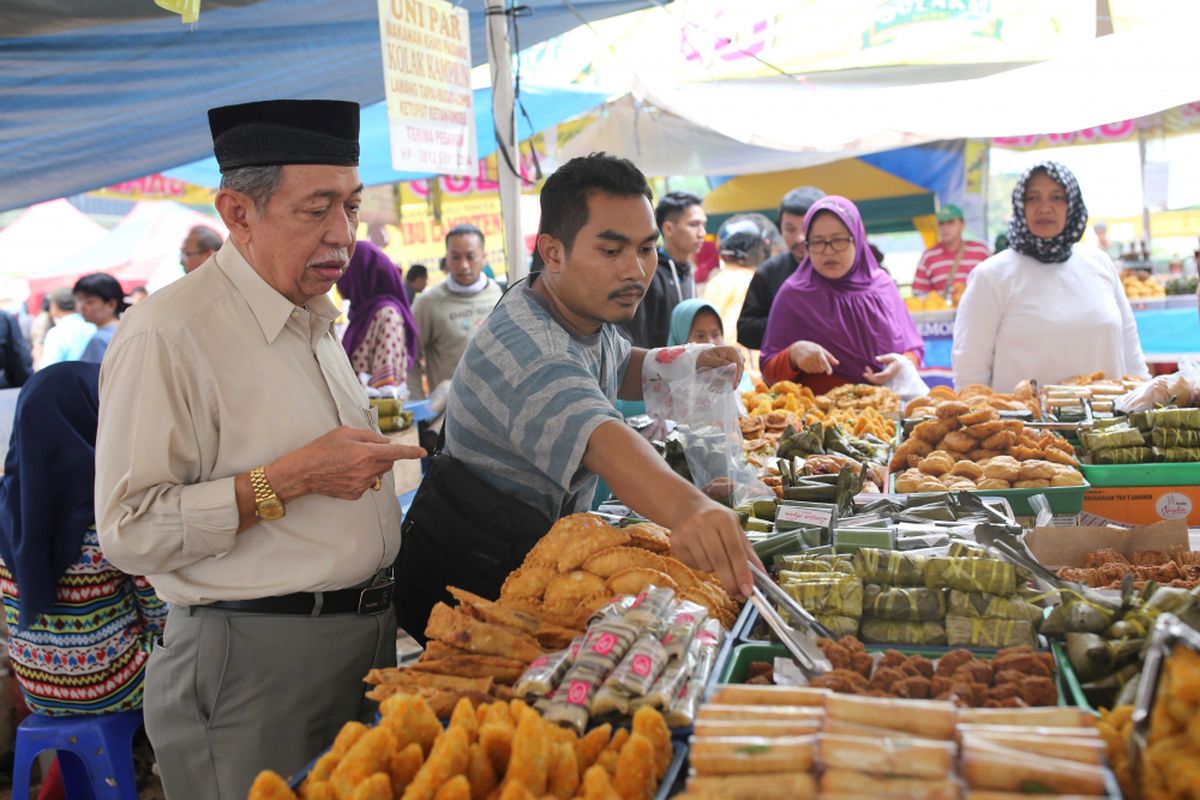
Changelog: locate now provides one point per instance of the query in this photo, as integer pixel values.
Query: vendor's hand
(716, 357)
(812, 358)
(885, 375)
(343, 463)
(709, 537)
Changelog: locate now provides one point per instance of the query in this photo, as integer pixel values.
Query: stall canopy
(99, 93)
(43, 235)
(143, 249)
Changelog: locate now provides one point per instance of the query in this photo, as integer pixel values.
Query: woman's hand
(812, 358)
(885, 375)
(717, 357)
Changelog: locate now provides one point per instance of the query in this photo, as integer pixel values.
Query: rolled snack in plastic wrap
(605, 645)
(737, 755)
(682, 624)
(572, 703)
(649, 610)
(541, 676)
(667, 686)
(682, 712)
(707, 645)
(641, 665)
(576, 646)
(614, 610)
(542, 703)
(610, 701)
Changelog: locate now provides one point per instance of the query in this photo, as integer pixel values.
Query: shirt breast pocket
(372, 415)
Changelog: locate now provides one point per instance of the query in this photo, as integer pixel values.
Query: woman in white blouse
(1048, 307)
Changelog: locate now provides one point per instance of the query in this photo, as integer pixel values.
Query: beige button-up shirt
(210, 377)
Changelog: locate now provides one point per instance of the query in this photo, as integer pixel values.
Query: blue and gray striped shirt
(525, 399)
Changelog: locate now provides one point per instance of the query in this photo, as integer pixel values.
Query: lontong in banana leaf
(978, 604)
(1123, 455)
(1175, 437)
(889, 567)
(1174, 418)
(903, 603)
(971, 575)
(998, 633)
(880, 631)
(1176, 455)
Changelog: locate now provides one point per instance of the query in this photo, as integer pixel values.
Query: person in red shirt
(949, 261)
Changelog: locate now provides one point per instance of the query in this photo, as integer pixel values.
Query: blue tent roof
(545, 107)
(87, 102)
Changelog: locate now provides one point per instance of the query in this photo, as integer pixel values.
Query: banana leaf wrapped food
(991, 606)
(799, 562)
(971, 575)
(838, 624)
(881, 631)
(1176, 454)
(889, 567)
(1174, 437)
(998, 633)
(829, 594)
(1123, 455)
(903, 603)
(1139, 420)
(960, 549)
(1112, 438)
(1174, 418)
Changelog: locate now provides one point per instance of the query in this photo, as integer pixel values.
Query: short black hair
(416, 271)
(465, 230)
(672, 205)
(565, 194)
(798, 201)
(104, 286)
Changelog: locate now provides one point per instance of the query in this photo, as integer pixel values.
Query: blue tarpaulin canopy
(98, 93)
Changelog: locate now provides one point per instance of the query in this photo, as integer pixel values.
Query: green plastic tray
(1068, 683)
(1184, 474)
(1064, 500)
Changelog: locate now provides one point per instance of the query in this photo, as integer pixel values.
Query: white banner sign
(427, 74)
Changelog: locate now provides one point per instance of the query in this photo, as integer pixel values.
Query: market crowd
(208, 460)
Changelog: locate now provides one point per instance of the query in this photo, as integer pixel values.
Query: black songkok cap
(285, 132)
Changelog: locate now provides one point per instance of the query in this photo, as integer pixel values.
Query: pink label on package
(604, 644)
(637, 601)
(706, 637)
(684, 618)
(540, 661)
(641, 665)
(578, 693)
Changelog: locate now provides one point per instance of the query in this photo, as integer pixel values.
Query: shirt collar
(270, 308)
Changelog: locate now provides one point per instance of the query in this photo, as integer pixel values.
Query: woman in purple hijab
(839, 312)
(381, 338)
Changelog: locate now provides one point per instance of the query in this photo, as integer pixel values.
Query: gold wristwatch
(267, 504)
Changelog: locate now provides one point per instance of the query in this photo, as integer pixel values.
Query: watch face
(270, 509)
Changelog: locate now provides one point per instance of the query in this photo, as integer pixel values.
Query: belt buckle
(375, 599)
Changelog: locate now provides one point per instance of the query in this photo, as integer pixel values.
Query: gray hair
(206, 238)
(257, 183)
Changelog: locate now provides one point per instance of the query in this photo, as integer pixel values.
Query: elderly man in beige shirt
(239, 467)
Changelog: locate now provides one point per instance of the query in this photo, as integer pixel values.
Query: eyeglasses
(838, 244)
(189, 254)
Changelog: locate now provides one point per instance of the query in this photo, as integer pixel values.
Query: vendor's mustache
(340, 255)
(628, 288)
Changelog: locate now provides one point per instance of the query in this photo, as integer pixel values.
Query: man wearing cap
(752, 321)
(947, 264)
(239, 466)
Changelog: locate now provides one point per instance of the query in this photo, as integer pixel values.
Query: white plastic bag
(907, 383)
(1181, 388)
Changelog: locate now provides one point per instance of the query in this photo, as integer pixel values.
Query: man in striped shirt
(949, 261)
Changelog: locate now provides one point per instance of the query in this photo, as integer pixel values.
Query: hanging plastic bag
(907, 383)
(1180, 388)
(704, 406)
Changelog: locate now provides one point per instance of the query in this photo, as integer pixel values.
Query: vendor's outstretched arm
(631, 384)
(704, 534)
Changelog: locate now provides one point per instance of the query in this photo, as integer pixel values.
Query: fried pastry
(649, 536)
(959, 442)
(993, 483)
(1001, 440)
(572, 587)
(614, 559)
(936, 463)
(529, 580)
(978, 416)
(951, 409)
(1003, 468)
(967, 469)
(636, 579)
(1036, 470)
(984, 430)
(983, 455)
(589, 536)
(1037, 483)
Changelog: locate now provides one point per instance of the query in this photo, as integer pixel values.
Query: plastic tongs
(809, 658)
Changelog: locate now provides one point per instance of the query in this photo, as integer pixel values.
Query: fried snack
(325, 765)
(959, 442)
(926, 718)
(460, 630)
(480, 773)
(403, 765)
(1067, 477)
(735, 695)
(985, 430)
(516, 791)
(649, 536)
(636, 769)
(1033, 484)
(368, 756)
(567, 590)
(413, 680)
(967, 469)
(410, 720)
(488, 611)
(777, 786)
(590, 746)
(503, 670)
(936, 463)
(448, 758)
(597, 786)
(978, 416)
(1036, 469)
(635, 580)
(614, 559)
(987, 766)
(530, 761)
(317, 790)
(496, 741)
(650, 723)
(1084, 749)
(1002, 468)
(528, 580)
(436, 649)
(893, 756)
(350, 733)
(845, 783)
(952, 409)
(457, 788)
(931, 430)
(992, 483)
(269, 786)
(1059, 456)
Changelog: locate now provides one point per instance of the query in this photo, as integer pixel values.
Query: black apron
(460, 531)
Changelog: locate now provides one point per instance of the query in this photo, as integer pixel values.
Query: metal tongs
(803, 650)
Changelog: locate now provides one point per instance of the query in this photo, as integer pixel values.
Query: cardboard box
(1142, 505)
(1066, 547)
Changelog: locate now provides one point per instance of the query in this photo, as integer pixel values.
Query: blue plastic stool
(102, 750)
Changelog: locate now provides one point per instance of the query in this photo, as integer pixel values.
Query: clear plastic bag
(704, 406)
(907, 383)
(1181, 388)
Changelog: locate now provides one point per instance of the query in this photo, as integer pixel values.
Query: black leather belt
(363, 601)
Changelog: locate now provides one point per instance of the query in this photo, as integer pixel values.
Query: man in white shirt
(71, 333)
(238, 467)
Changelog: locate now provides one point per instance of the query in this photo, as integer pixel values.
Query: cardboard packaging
(1066, 547)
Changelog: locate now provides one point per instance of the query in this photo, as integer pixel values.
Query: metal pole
(1142, 168)
(505, 118)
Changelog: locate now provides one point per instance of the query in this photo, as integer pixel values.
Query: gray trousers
(231, 693)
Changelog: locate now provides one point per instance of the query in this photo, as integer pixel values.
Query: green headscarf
(684, 315)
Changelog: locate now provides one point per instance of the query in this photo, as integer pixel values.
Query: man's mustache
(339, 255)
(629, 288)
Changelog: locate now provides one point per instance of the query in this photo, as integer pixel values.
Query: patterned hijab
(1058, 249)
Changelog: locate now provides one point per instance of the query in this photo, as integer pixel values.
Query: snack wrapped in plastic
(706, 646)
(903, 603)
(1111, 438)
(1174, 418)
(651, 607)
(835, 594)
(839, 625)
(977, 604)
(1176, 454)
(1123, 455)
(977, 632)
(682, 711)
(682, 624)
(799, 562)
(642, 664)
(605, 645)
(674, 675)
(878, 631)
(543, 674)
(614, 610)
(610, 701)
(889, 567)
(971, 575)
(572, 702)
(1174, 437)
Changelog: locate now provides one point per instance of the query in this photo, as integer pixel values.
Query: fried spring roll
(777, 786)
(738, 695)
(768, 728)
(986, 766)
(847, 783)
(904, 757)
(712, 711)
(1043, 717)
(735, 755)
(929, 718)
(1083, 750)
